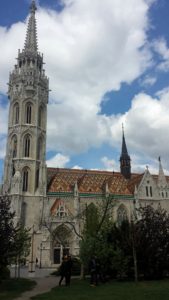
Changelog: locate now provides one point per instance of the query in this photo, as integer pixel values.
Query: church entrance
(61, 240)
(58, 253)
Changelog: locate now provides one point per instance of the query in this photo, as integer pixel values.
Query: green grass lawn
(12, 288)
(81, 290)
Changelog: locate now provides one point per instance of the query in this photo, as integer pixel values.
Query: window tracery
(62, 211)
(16, 114)
(25, 180)
(14, 146)
(28, 113)
(27, 145)
(121, 215)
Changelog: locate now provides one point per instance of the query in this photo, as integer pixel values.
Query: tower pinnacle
(31, 35)
(125, 158)
(162, 182)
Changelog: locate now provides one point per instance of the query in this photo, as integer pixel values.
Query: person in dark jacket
(68, 270)
(63, 270)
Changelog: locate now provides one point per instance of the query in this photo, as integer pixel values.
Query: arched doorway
(61, 243)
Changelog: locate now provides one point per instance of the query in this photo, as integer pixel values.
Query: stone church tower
(25, 166)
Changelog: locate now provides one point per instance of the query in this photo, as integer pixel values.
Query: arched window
(149, 191)
(13, 170)
(14, 146)
(27, 145)
(62, 211)
(16, 114)
(37, 179)
(25, 180)
(40, 116)
(39, 148)
(28, 116)
(121, 215)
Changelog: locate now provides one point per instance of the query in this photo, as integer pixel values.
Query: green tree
(95, 234)
(141, 248)
(21, 247)
(14, 240)
(7, 232)
(152, 232)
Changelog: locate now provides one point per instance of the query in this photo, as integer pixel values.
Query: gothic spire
(125, 158)
(124, 147)
(31, 35)
(161, 177)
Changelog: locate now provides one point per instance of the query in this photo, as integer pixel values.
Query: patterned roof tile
(89, 181)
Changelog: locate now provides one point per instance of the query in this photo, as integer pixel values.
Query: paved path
(43, 285)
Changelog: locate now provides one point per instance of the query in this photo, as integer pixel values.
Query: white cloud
(58, 161)
(148, 81)
(77, 167)
(97, 47)
(160, 46)
(110, 164)
(146, 126)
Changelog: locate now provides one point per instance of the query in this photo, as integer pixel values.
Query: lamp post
(40, 260)
(32, 263)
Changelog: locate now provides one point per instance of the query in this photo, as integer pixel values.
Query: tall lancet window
(28, 113)
(16, 114)
(37, 179)
(14, 146)
(39, 148)
(27, 146)
(40, 117)
(25, 180)
(121, 215)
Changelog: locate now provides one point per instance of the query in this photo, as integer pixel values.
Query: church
(48, 200)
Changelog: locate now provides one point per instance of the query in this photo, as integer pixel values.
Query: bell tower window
(39, 148)
(29, 113)
(40, 116)
(14, 146)
(25, 180)
(37, 178)
(16, 114)
(27, 144)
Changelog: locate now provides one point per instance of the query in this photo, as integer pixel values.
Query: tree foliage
(14, 240)
(152, 242)
(7, 231)
(95, 234)
(139, 248)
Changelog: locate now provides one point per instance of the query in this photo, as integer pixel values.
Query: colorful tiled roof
(90, 181)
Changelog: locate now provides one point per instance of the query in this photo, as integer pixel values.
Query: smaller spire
(125, 165)
(162, 182)
(124, 147)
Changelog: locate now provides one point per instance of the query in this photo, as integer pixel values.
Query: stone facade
(51, 201)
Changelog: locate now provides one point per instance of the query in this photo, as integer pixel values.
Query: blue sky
(108, 64)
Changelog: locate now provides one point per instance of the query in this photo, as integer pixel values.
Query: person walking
(68, 269)
(63, 270)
